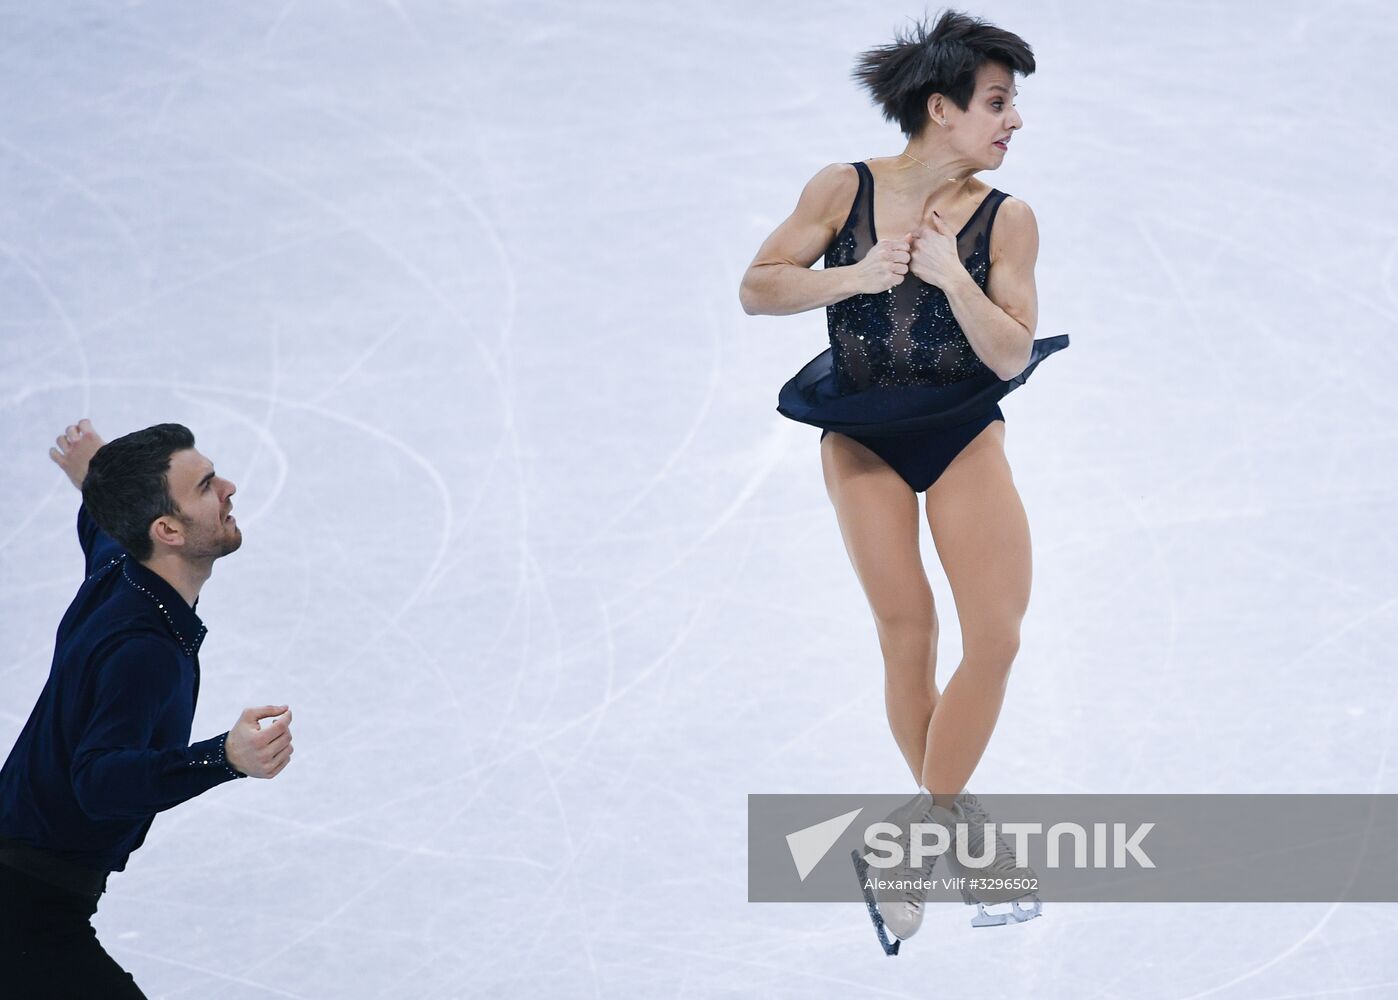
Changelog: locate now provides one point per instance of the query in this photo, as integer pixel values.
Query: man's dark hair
(902, 75)
(127, 486)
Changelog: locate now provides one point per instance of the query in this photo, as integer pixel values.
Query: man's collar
(179, 617)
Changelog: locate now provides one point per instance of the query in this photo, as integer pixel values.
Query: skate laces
(976, 817)
(904, 817)
(912, 893)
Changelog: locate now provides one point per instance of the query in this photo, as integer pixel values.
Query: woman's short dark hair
(127, 486)
(901, 76)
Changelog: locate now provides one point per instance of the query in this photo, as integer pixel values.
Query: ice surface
(450, 292)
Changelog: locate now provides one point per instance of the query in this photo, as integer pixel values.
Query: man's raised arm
(72, 451)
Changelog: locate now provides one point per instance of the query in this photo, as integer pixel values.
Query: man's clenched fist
(74, 448)
(260, 751)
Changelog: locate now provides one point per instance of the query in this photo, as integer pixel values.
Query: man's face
(204, 498)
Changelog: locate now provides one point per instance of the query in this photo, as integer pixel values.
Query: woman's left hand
(935, 257)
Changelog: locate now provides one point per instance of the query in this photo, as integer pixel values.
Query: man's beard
(233, 542)
(215, 545)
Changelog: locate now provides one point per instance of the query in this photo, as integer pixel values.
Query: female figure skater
(930, 324)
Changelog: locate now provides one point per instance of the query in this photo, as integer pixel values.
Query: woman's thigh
(878, 518)
(982, 536)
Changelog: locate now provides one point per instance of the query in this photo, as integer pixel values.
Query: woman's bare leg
(878, 517)
(982, 536)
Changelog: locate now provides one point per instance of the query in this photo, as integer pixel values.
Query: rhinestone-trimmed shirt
(107, 744)
(908, 334)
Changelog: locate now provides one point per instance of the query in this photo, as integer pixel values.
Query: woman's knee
(909, 644)
(908, 618)
(906, 623)
(992, 647)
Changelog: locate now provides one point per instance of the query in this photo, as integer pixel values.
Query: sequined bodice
(906, 335)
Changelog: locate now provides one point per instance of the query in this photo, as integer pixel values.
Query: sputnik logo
(809, 845)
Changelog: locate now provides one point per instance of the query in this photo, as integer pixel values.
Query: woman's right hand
(884, 266)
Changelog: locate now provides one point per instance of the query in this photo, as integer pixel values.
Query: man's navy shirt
(107, 745)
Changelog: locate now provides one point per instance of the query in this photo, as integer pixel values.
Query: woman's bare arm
(1000, 321)
(779, 280)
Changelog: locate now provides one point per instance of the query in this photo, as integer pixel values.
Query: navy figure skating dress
(900, 377)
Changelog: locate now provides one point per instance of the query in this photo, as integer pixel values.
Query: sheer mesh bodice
(906, 335)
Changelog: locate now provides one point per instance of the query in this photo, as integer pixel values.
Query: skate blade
(861, 871)
(1015, 914)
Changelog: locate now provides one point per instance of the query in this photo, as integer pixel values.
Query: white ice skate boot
(900, 908)
(1017, 881)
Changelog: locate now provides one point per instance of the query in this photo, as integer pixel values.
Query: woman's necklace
(916, 160)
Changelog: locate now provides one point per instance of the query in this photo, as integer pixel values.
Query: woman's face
(982, 132)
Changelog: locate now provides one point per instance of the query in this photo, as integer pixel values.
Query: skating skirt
(811, 397)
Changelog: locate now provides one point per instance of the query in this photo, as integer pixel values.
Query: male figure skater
(107, 745)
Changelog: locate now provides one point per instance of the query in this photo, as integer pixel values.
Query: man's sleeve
(99, 547)
(118, 771)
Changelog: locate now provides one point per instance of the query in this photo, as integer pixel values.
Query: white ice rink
(450, 292)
